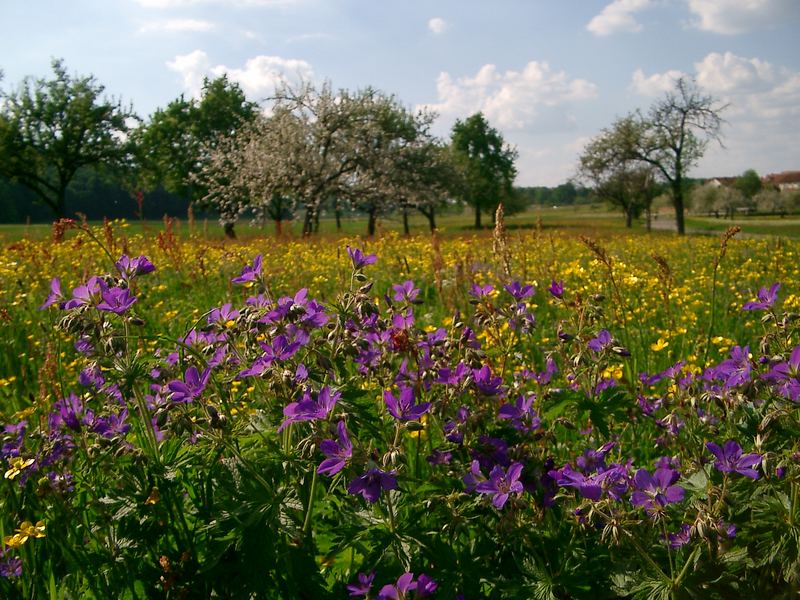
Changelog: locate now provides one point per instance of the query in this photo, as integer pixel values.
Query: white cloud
(177, 25)
(738, 16)
(618, 17)
(437, 25)
(510, 99)
(656, 84)
(258, 77)
(725, 73)
(192, 68)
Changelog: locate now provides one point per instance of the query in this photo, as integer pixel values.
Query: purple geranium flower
(557, 288)
(657, 490)
(364, 585)
(360, 259)
(191, 387)
(405, 292)
(250, 273)
(501, 484)
(588, 487)
(87, 294)
(486, 384)
(519, 291)
(116, 300)
(522, 414)
(132, 267)
(370, 484)
(55, 296)
(310, 409)
(337, 452)
(480, 291)
(402, 407)
(601, 342)
(730, 459)
(785, 376)
(766, 298)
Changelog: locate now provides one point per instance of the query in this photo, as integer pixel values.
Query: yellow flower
(17, 465)
(659, 345)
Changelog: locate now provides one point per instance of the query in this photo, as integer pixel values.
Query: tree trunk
(677, 202)
(405, 221)
(371, 222)
(432, 219)
(278, 227)
(477, 216)
(307, 222)
(629, 219)
(229, 231)
(316, 221)
(338, 213)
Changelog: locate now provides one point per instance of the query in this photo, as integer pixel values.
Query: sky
(548, 74)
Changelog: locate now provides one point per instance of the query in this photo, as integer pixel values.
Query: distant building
(784, 181)
(718, 182)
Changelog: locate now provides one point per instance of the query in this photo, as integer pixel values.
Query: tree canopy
(487, 163)
(50, 129)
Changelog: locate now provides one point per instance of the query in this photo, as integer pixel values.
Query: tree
(617, 178)
(358, 148)
(487, 163)
(177, 141)
(50, 129)
(673, 137)
(749, 184)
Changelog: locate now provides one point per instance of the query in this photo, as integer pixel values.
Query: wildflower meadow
(527, 415)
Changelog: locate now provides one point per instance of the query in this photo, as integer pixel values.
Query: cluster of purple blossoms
(654, 492)
(309, 408)
(422, 587)
(371, 483)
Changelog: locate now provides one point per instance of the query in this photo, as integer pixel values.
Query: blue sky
(549, 74)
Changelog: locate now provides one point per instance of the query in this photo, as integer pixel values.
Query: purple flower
(359, 259)
(601, 342)
(522, 414)
(71, 412)
(402, 407)
(425, 585)
(766, 298)
(784, 376)
(55, 296)
(405, 583)
(681, 538)
(486, 384)
(131, 267)
(116, 300)
(657, 490)
(250, 273)
(557, 288)
(223, 314)
(310, 409)
(86, 294)
(337, 452)
(363, 586)
(519, 291)
(588, 487)
(370, 484)
(405, 292)
(735, 370)
(501, 484)
(112, 425)
(191, 387)
(480, 291)
(730, 459)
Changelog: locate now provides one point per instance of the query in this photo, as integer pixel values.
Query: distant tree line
(67, 148)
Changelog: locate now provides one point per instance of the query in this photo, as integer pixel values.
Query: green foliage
(50, 129)
(487, 163)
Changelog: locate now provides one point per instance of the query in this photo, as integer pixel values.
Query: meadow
(529, 412)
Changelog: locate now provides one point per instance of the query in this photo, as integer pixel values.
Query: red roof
(783, 177)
